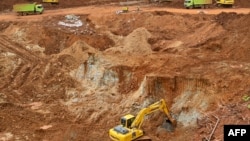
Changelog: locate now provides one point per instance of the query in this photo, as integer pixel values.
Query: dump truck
(51, 1)
(189, 4)
(28, 8)
(225, 2)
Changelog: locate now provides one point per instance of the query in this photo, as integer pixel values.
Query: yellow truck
(225, 2)
(51, 1)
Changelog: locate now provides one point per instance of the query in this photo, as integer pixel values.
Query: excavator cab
(124, 131)
(127, 120)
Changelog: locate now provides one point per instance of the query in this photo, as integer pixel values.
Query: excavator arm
(160, 105)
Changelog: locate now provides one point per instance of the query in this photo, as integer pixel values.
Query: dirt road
(100, 10)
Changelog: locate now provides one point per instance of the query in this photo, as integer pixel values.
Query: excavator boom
(160, 105)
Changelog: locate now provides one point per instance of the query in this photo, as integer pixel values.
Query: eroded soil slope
(74, 83)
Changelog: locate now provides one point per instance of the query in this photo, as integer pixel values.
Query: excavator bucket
(168, 126)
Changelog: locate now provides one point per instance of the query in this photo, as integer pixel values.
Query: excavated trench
(183, 93)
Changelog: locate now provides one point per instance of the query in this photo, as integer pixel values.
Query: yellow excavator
(130, 127)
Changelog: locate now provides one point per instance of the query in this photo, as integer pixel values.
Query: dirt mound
(224, 18)
(130, 44)
(236, 32)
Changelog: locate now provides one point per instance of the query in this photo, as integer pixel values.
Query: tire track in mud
(22, 71)
(5, 44)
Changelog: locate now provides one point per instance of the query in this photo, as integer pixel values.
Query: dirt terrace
(74, 83)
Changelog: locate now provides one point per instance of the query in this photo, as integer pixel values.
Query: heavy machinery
(189, 4)
(225, 2)
(130, 127)
(125, 9)
(28, 8)
(51, 1)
